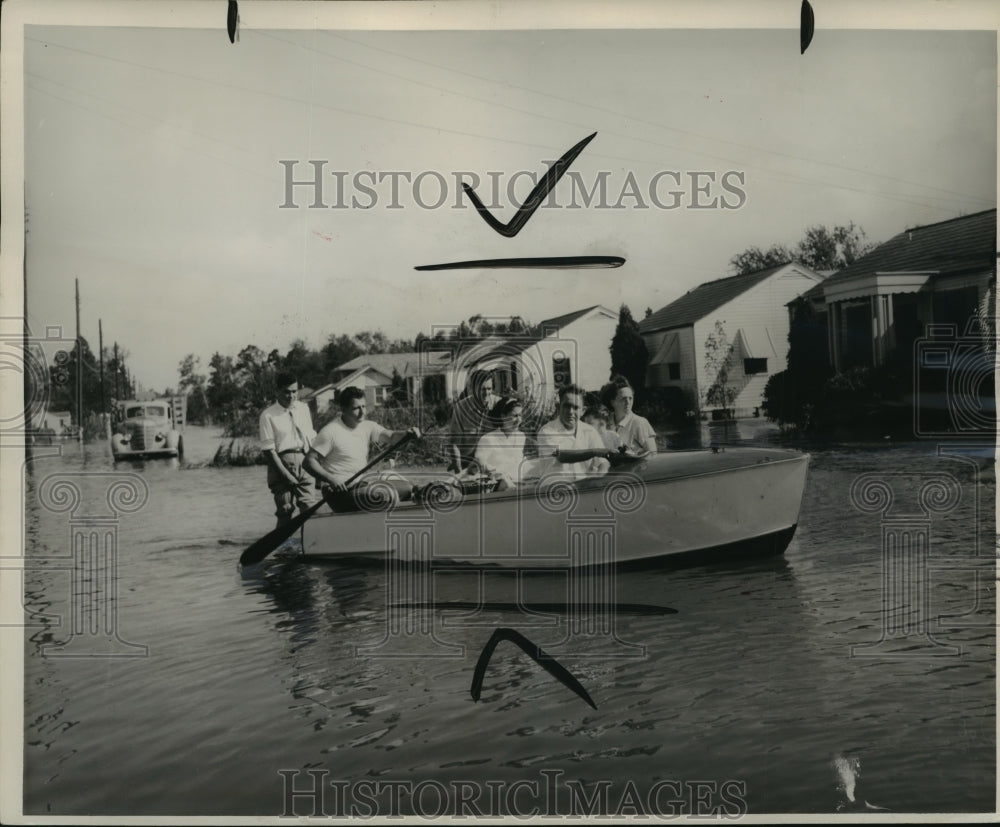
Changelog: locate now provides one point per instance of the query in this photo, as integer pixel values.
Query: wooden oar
(270, 541)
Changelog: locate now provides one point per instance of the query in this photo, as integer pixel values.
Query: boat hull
(680, 506)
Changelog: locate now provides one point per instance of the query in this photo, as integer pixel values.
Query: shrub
(665, 407)
(239, 452)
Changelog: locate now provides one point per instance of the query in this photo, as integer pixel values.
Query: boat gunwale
(591, 485)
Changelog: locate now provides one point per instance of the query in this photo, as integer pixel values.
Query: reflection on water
(303, 664)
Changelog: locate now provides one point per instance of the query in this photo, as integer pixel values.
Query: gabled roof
(408, 364)
(696, 304)
(953, 246)
(560, 322)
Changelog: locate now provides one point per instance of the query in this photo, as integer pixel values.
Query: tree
(824, 249)
(193, 384)
(307, 365)
(223, 392)
(820, 249)
(398, 396)
(718, 362)
(63, 378)
(337, 350)
(629, 355)
(753, 259)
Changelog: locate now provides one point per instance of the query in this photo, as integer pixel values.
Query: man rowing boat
(340, 450)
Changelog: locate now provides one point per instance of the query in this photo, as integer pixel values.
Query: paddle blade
(269, 542)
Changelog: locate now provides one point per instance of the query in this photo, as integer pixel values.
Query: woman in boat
(501, 452)
(635, 432)
(470, 420)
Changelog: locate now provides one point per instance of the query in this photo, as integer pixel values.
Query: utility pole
(118, 373)
(79, 368)
(100, 350)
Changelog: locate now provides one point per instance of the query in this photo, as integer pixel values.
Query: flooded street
(779, 685)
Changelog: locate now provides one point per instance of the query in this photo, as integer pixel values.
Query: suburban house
(374, 372)
(934, 281)
(572, 348)
(750, 310)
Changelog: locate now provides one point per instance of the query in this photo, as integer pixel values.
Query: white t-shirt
(501, 453)
(345, 450)
(554, 436)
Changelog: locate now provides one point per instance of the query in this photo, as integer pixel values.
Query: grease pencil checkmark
(535, 198)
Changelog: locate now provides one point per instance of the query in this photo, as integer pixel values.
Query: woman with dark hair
(635, 432)
(500, 452)
(469, 419)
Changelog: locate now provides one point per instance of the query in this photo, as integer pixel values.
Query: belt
(291, 451)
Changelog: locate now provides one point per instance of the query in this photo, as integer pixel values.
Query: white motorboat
(719, 503)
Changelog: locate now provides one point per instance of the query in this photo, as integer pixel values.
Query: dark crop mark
(232, 20)
(806, 26)
(545, 262)
(538, 193)
(546, 661)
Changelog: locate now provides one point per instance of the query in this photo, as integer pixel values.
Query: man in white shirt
(567, 432)
(286, 432)
(340, 450)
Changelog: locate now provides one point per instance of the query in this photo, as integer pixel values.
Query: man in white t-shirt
(286, 432)
(567, 432)
(340, 450)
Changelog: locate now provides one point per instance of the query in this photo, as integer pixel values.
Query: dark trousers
(286, 496)
(370, 495)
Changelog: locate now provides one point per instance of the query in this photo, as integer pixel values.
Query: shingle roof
(567, 318)
(408, 364)
(702, 300)
(956, 245)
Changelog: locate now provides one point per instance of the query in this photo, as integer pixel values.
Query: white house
(936, 280)
(572, 348)
(754, 322)
(373, 373)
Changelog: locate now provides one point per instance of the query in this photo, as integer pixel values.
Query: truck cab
(148, 428)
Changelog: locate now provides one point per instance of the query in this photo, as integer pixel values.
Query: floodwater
(778, 686)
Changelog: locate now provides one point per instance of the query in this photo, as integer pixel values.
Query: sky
(153, 174)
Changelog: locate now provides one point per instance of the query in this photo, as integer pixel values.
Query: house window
(674, 370)
(752, 366)
(379, 395)
(561, 372)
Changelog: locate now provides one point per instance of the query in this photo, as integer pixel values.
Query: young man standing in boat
(286, 433)
(340, 451)
(568, 432)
